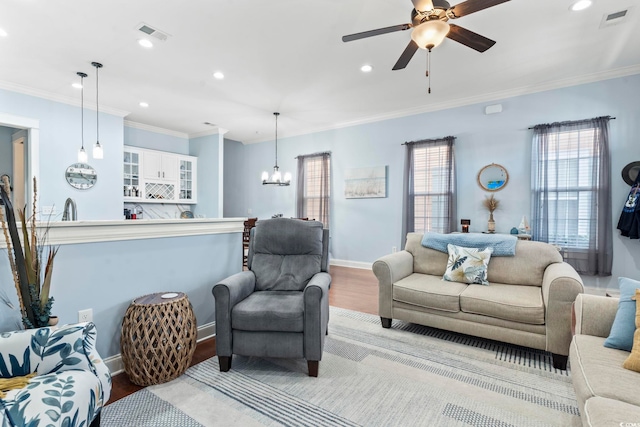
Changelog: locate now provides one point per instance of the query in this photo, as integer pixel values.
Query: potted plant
(31, 260)
(491, 203)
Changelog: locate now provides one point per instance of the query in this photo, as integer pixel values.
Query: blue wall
(59, 144)
(207, 149)
(6, 151)
(155, 141)
(108, 276)
(365, 229)
(234, 172)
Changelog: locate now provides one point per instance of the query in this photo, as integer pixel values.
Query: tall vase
(491, 224)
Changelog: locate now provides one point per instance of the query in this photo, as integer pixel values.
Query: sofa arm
(227, 294)
(316, 315)
(390, 269)
(47, 350)
(561, 284)
(595, 314)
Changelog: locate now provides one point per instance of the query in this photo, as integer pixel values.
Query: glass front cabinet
(152, 176)
(131, 186)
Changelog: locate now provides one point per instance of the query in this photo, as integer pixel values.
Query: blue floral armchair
(72, 382)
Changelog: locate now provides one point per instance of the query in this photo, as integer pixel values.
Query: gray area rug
(408, 375)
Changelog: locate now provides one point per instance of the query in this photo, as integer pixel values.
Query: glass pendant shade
(430, 34)
(82, 155)
(97, 153)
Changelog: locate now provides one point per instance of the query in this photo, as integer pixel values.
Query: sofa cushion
(425, 260)
(621, 334)
(429, 291)
(516, 303)
(270, 311)
(467, 265)
(598, 371)
(633, 361)
(65, 398)
(285, 253)
(600, 411)
(527, 267)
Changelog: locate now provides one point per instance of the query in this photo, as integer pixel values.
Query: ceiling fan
(429, 22)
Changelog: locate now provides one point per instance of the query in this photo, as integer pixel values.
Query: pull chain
(429, 69)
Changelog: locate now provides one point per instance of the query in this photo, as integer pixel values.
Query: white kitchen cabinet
(187, 172)
(160, 166)
(131, 179)
(161, 177)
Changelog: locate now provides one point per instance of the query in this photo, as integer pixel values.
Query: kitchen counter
(72, 232)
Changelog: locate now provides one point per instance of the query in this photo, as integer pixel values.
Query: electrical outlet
(394, 249)
(48, 210)
(85, 315)
(249, 211)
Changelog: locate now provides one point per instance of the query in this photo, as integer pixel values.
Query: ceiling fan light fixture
(430, 34)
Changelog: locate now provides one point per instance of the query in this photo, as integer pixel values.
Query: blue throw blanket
(502, 244)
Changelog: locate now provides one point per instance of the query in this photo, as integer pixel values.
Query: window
(314, 178)
(570, 192)
(430, 186)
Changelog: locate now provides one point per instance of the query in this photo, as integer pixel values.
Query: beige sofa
(608, 394)
(528, 301)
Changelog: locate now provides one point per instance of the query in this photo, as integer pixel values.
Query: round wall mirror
(493, 177)
(630, 172)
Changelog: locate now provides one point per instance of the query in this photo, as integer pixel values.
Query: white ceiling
(287, 56)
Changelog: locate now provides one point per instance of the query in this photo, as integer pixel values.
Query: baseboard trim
(115, 365)
(352, 264)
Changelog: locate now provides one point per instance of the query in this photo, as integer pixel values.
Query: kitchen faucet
(74, 210)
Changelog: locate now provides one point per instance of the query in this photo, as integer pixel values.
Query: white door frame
(32, 126)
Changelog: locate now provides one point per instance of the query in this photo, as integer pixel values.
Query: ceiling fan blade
(422, 5)
(406, 56)
(470, 6)
(469, 38)
(371, 33)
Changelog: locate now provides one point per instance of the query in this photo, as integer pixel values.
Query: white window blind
(316, 189)
(431, 180)
(571, 188)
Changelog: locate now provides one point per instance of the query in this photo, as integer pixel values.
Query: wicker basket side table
(158, 338)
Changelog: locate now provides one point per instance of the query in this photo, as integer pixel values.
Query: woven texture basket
(158, 338)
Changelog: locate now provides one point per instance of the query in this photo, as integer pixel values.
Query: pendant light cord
(97, 109)
(82, 111)
(276, 114)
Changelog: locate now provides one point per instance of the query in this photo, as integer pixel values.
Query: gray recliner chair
(279, 307)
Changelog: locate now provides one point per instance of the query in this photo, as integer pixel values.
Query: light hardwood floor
(351, 288)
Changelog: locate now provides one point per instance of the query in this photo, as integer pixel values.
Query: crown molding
(461, 102)
(39, 93)
(155, 129)
(213, 131)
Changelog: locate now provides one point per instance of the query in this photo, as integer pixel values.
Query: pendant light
(82, 155)
(97, 148)
(276, 177)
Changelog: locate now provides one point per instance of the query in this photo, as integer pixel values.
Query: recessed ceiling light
(76, 85)
(580, 5)
(145, 43)
(3, 33)
(144, 104)
(366, 68)
(218, 75)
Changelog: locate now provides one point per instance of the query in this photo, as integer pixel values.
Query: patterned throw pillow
(633, 361)
(467, 265)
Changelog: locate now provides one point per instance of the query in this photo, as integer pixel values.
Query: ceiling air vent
(615, 18)
(153, 32)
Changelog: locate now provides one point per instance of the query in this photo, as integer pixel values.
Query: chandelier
(276, 176)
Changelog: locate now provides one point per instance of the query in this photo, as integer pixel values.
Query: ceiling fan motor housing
(439, 12)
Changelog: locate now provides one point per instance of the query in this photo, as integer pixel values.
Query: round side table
(158, 337)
